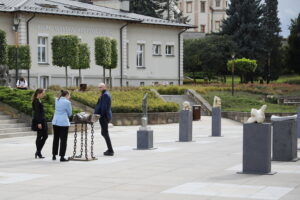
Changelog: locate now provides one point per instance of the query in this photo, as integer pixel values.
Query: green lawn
(244, 101)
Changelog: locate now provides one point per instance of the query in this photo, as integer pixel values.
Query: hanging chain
(75, 141)
(86, 141)
(92, 140)
(81, 149)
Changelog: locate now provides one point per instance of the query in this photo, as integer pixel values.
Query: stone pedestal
(186, 126)
(298, 123)
(216, 122)
(284, 140)
(257, 148)
(144, 139)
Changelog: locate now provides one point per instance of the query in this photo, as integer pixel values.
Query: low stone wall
(244, 116)
(127, 119)
(206, 107)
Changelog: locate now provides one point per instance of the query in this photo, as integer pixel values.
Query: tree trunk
(110, 79)
(80, 79)
(104, 75)
(66, 77)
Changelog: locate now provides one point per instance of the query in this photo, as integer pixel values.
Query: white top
(22, 84)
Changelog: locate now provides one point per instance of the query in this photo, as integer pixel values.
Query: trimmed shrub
(3, 48)
(24, 58)
(103, 51)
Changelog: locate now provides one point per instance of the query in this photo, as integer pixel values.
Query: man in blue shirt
(103, 108)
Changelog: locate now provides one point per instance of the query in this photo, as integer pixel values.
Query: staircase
(12, 128)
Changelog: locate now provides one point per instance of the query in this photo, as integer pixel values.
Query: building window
(218, 25)
(140, 55)
(171, 83)
(189, 7)
(77, 81)
(218, 3)
(226, 3)
(202, 6)
(156, 49)
(156, 83)
(170, 50)
(127, 84)
(44, 82)
(142, 83)
(42, 50)
(202, 28)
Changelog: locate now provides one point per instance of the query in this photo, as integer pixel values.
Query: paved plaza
(204, 169)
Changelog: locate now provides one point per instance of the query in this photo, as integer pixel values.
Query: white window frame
(171, 52)
(140, 52)
(156, 49)
(142, 84)
(218, 25)
(189, 7)
(218, 3)
(42, 81)
(43, 46)
(204, 8)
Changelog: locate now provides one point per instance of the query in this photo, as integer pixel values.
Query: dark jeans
(104, 132)
(41, 138)
(60, 133)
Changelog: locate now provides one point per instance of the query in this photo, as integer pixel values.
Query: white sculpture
(257, 115)
(275, 118)
(217, 102)
(186, 106)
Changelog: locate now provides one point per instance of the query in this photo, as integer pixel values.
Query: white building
(150, 49)
(206, 15)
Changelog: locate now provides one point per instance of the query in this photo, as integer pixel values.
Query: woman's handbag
(83, 117)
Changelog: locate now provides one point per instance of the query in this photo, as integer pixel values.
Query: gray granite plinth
(257, 148)
(186, 126)
(216, 122)
(144, 139)
(284, 140)
(298, 123)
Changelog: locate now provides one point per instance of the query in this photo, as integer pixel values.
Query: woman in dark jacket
(39, 122)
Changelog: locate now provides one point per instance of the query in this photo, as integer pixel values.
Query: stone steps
(12, 128)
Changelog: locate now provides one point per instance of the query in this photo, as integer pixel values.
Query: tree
(103, 53)
(114, 58)
(65, 52)
(170, 11)
(293, 57)
(83, 58)
(24, 58)
(146, 7)
(272, 41)
(244, 24)
(191, 58)
(242, 67)
(3, 48)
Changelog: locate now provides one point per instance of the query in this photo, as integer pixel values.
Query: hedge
(21, 100)
(3, 48)
(127, 101)
(24, 58)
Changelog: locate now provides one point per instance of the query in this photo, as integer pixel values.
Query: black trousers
(104, 132)
(60, 133)
(41, 138)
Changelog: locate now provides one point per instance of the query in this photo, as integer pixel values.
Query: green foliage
(84, 57)
(242, 66)
(3, 48)
(65, 51)
(21, 100)
(114, 54)
(127, 102)
(24, 58)
(103, 51)
(146, 7)
(294, 45)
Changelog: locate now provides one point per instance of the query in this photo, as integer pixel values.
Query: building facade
(206, 15)
(150, 49)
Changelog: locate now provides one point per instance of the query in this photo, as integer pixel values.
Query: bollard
(257, 149)
(298, 123)
(186, 126)
(144, 139)
(284, 140)
(216, 122)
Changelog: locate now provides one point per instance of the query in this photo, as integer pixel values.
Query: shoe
(108, 153)
(62, 159)
(53, 157)
(38, 155)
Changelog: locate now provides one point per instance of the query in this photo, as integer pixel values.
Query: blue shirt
(63, 110)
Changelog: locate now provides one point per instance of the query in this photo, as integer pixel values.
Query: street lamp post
(16, 29)
(232, 74)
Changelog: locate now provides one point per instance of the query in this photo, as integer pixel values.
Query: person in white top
(22, 84)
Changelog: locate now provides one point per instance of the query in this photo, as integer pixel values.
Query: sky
(288, 9)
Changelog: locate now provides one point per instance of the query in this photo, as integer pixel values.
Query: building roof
(79, 9)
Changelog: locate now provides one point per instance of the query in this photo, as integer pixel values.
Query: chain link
(92, 140)
(75, 141)
(81, 139)
(86, 141)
